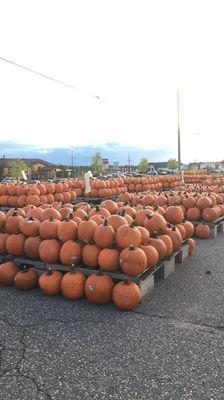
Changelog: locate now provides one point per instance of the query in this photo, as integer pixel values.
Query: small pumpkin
(8, 271)
(29, 226)
(174, 215)
(67, 230)
(49, 228)
(202, 231)
(26, 279)
(71, 252)
(126, 295)
(12, 223)
(90, 254)
(86, 230)
(155, 223)
(116, 221)
(31, 247)
(50, 282)
(73, 285)
(151, 255)
(49, 250)
(159, 245)
(15, 244)
(104, 235)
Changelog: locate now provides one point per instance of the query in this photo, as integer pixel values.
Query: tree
(143, 165)
(17, 167)
(172, 164)
(97, 164)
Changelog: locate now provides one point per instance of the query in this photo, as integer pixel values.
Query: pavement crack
(201, 326)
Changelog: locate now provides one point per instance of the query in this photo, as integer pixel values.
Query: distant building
(105, 163)
(37, 169)
(210, 165)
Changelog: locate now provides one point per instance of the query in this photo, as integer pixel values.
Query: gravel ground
(171, 347)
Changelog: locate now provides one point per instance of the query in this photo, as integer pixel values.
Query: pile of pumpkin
(20, 195)
(108, 237)
(98, 288)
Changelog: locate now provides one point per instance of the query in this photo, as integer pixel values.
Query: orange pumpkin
(90, 254)
(108, 259)
(71, 252)
(202, 231)
(29, 226)
(73, 285)
(50, 282)
(126, 295)
(26, 279)
(31, 247)
(15, 244)
(127, 235)
(3, 238)
(8, 272)
(86, 230)
(174, 215)
(133, 261)
(151, 255)
(49, 250)
(98, 288)
(67, 230)
(192, 245)
(104, 235)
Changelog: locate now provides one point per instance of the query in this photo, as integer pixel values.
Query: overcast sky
(133, 54)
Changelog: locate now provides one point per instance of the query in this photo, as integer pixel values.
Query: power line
(42, 75)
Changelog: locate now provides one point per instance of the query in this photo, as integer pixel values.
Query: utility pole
(129, 163)
(73, 162)
(178, 130)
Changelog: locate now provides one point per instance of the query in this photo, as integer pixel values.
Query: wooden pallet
(146, 280)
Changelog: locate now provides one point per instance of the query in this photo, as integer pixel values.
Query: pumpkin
(159, 245)
(144, 234)
(90, 254)
(126, 295)
(155, 223)
(140, 216)
(189, 202)
(204, 202)
(104, 235)
(168, 243)
(15, 244)
(26, 279)
(192, 245)
(182, 230)
(193, 214)
(99, 219)
(116, 221)
(209, 214)
(202, 231)
(29, 226)
(50, 282)
(3, 238)
(49, 228)
(100, 211)
(35, 212)
(189, 228)
(127, 235)
(98, 288)
(174, 215)
(86, 230)
(2, 219)
(12, 223)
(110, 205)
(133, 261)
(175, 236)
(67, 230)
(16, 211)
(108, 259)
(8, 272)
(49, 250)
(79, 212)
(71, 252)
(51, 213)
(151, 255)
(73, 285)
(64, 211)
(31, 247)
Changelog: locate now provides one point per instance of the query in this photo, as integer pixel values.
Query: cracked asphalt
(171, 347)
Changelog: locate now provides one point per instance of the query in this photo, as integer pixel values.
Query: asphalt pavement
(171, 347)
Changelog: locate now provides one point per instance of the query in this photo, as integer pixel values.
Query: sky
(134, 55)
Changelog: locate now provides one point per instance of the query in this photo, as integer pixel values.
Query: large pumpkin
(73, 285)
(29, 226)
(50, 282)
(155, 223)
(108, 259)
(49, 228)
(151, 255)
(15, 244)
(90, 254)
(116, 221)
(26, 279)
(202, 231)
(49, 250)
(67, 230)
(31, 247)
(98, 288)
(174, 215)
(127, 235)
(104, 235)
(126, 295)
(8, 272)
(71, 252)
(86, 230)
(133, 261)
(12, 223)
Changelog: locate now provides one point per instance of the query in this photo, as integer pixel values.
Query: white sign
(87, 182)
(24, 175)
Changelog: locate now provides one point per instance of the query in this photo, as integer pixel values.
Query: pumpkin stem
(69, 216)
(155, 235)
(86, 218)
(105, 223)
(14, 214)
(49, 271)
(133, 224)
(30, 219)
(97, 208)
(75, 208)
(131, 247)
(51, 218)
(25, 269)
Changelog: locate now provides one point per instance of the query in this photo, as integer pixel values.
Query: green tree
(97, 164)
(143, 165)
(17, 168)
(172, 164)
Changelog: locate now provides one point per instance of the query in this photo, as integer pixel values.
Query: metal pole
(178, 130)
